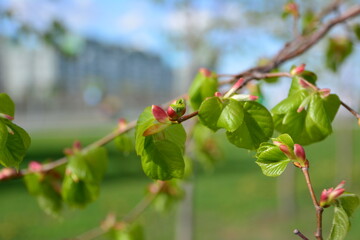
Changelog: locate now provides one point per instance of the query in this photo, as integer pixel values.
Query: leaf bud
(159, 114)
(285, 149)
(7, 173)
(176, 109)
(235, 87)
(328, 196)
(325, 92)
(298, 70)
(6, 116)
(299, 152)
(206, 72)
(35, 166)
(217, 94)
(122, 124)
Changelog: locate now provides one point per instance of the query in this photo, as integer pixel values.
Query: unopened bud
(299, 152)
(285, 149)
(253, 97)
(35, 166)
(217, 94)
(176, 109)
(7, 173)
(77, 145)
(3, 115)
(206, 72)
(325, 92)
(291, 8)
(300, 109)
(122, 124)
(328, 196)
(159, 114)
(304, 83)
(234, 88)
(10, 131)
(298, 70)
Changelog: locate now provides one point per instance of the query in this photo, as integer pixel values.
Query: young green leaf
(337, 51)
(344, 207)
(162, 152)
(210, 111)
(84, 173)
(257, 126)
(271, 160)
(232, 115)
(44, 188)
(13, 145)
(123, 231)
(204, 85)
(124, 143)
(310, 125)
(163, 160)
(7, 106)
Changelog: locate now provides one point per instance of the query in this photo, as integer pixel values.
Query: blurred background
(74, 67)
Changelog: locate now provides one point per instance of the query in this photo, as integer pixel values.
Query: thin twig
(298, 233)
(319, 210)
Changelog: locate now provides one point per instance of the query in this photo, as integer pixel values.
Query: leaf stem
(186, 117)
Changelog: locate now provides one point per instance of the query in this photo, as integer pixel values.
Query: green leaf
(312, 124)
(124, 143)
(162, 160)
(356, 29)
(285, 139)
(13, 147)
(271, 160)
(210, 111)
(344, 208)
(257, 126)
(89, 166)
(84, 173)
(127, 232)
(145, 120)
(338, 49)
(44, 188)
(350, 202)
(201, 88)
(296, 87)
(231, 116)
(79, 193)
(7, 106)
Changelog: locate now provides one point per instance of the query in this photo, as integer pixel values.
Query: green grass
(235, 201)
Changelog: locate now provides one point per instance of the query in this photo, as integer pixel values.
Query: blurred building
(98, 75)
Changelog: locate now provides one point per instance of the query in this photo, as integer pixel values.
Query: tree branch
(298, 233)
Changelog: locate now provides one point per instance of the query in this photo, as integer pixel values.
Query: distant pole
(185, 215)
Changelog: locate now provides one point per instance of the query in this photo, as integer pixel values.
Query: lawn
(235, 201)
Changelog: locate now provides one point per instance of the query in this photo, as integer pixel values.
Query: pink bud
(77, 145)
(3, 115)
(122, 124)
(234, 88)
(298, 70)
(217, 94)
(299, 152)
(341, 184)
(159, 114)
(328, 196)
(304, 83)
(285, 150)
(325, 92)
(206, 72)
(300, 109)
(35, 166)
(6, 173)
(253, 98)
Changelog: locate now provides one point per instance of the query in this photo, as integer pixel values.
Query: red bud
(299, 152)
(206, 72)
(253, 98)
(6, 173)
(218, 94)
(159, 114)
(285, 150)
(234, 88)
(3, 115)
(304, 83)
(298, 70)
(35, 166)
(325, 92)
(328, 196)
